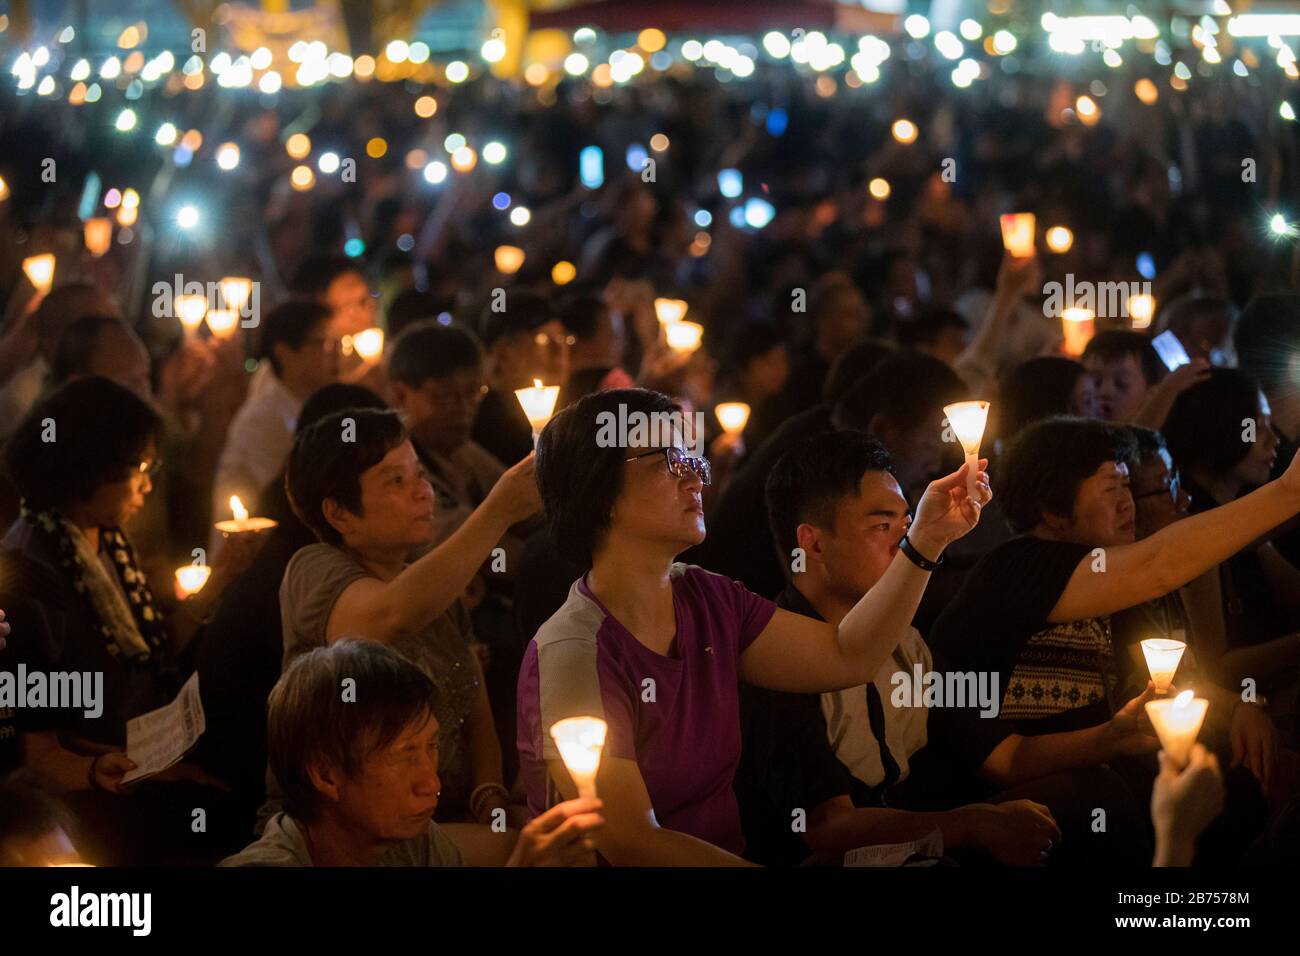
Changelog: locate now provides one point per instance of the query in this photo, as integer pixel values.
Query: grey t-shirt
(282, 844)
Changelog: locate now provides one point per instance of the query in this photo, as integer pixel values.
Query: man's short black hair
(411, 306)
(317, 272)
(523, 311)
(854, 363)
(1267, 339)
(310, 722)
(1147, 446)
(75, 352)
(808, 482)
(430, 350)
(928, 324)
(579, 480)
(751, 340)
(323, 466)
(87, 433)
(1204, 428)
(290, 324)
(907, 389)
(581, 314)
(1049, 460)
(1036, 388)
(1113, 345)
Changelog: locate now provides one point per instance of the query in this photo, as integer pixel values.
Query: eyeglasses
(150, 468)
(680, 464)
(1175, 483)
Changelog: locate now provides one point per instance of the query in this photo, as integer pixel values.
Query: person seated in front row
(360, 775)
(845, 757)
(657, 649)
(1036, 611)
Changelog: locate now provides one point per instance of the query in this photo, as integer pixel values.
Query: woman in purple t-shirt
(657, 648)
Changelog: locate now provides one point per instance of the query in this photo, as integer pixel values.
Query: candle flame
(537, 383)
(237, 507)
(1183, 700)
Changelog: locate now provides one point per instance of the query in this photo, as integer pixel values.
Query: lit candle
(967, 420)
(1077, 325)
(670, 310)
(223, 322)
(98, 234)
(40, 270)
(580, 741)
(369, 343)
(1018, 234)
(1059, 239)
(235, 291)
(683, 337)
(508, 259)
(190, 579)
(242, 522)
(1177, 722)
(538, 404)
(1162, 660)
(190, 310)
(1141, 309)
(732, 416)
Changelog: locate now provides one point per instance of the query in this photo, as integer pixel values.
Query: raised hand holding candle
(242, 522)
(190, 579)
(1162, 660)
(538, 404)
(967, 420)
(684, 337)
(1018, 233)
(190, 311)
(670, 310)
(40, 270)
(580, 741)
(235, 291)
(1177, 722)
(1078, 326)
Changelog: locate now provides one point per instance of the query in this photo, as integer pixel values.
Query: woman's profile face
(656, 507)
(1257, 467)
(114, 504)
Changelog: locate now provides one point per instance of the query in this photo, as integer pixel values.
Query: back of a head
(329, 457)
(1204, 427)
(289, 324)
(431, 350)
(1047, 462)
(85, 434)
(906, 389)
(1267, 339)
(928, 324)
(334, 398)
(856, 361)
(412, 306)
(310, 722)
(1037, 388)
(1147, 446)
(317, 272)
(581, 314)
(524, 311)
(67, 303)
(749, 341)
(75, 353)
(1114, 345)
(579, 473)
(809, 480)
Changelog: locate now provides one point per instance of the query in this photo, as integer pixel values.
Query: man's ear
(809, 538)
(400, 393)
(339, 517)
(325, 779)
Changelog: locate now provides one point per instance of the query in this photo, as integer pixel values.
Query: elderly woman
(657, 649)
(78, 602)
(355, 480)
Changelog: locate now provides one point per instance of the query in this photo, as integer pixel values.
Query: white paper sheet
(158, 739)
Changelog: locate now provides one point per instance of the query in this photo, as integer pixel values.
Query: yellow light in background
(223, 323)
(376, 147)
(1141, 310)
(670, 310)
(425, 107)
(4, 189)
(1146, 91)
(228, 156)
(235, 291)
(879, 188)
(302, 178)
(364, 66)
(134, 62)
(194, 81)
(130, 199)
(1018, 234)
(659, 142)
(1077, 326)
(190, 310)
(457, 71)
(130, 37)
(298, 145)
(563, 272)
(651, 40)
(1059, 239)
(536, 74)
(98, 235)
(904, 131)
(1088, 110)
(508, 259)
(416, 159)
(732, 416)
(78, 94)
(683, 337)
(127, 215)
(40, 270)
(192, 140)
(464, 159)
(602, 76)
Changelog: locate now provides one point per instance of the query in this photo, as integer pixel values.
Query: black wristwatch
(922, 562)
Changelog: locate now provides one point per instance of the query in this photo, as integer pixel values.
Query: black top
(739, 543)
(786, 763)
(1052, 677)
(54, 630)
(502, 428)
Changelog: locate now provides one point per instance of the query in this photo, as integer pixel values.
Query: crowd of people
(379, 671)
